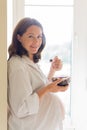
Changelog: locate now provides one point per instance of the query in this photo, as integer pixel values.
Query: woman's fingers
(57, 63)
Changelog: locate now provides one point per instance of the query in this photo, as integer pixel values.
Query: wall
(79, 79)
(3, 71)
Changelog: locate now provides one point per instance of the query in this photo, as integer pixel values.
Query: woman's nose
(36, 40)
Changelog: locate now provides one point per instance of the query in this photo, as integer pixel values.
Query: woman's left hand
(56, 64)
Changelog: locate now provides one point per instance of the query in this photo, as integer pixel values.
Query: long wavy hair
(16, 48)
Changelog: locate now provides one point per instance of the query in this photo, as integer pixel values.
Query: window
(56, 17)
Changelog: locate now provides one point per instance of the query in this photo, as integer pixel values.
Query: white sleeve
(21, 98)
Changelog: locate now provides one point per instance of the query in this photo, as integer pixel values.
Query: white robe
(27, 111)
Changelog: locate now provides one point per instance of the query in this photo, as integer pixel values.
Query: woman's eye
(39, 37)
(30, 36)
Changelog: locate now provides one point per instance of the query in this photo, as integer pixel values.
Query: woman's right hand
(53, 87)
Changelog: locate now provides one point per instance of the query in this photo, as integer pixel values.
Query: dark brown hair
(16, 48)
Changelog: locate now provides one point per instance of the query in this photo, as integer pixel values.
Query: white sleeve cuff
(30, 106)
(33, 103)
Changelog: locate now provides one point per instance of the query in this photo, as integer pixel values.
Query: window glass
(49, 2)
(58, 31)
(57, 22)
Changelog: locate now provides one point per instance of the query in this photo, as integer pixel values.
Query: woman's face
(31, 40)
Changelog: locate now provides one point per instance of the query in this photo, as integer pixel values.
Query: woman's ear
(19, 37)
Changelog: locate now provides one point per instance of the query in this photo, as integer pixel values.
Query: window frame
(18, 13)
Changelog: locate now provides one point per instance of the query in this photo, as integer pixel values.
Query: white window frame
(18, 10)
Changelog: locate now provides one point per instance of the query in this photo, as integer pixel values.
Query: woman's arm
(52, 87)
(21, 98)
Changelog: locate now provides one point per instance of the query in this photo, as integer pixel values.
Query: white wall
(3, 63)
(79, 79)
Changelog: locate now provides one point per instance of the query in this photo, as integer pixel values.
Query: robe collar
(28, 61)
